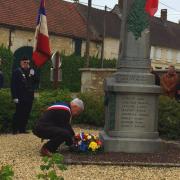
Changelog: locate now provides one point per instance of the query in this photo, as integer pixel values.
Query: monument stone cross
(131, 108)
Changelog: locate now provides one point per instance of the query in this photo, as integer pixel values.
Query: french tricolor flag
(41, 51)
(151, 7)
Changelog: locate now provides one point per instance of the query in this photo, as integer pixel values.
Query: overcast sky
(173, 7)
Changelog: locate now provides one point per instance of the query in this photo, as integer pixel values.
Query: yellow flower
(93, 146)
(88, 137)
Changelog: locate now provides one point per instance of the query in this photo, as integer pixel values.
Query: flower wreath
(85, 142)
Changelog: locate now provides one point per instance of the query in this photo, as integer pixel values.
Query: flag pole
(56, 70)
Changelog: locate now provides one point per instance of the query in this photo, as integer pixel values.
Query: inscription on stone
(133, 78)
(134, 112)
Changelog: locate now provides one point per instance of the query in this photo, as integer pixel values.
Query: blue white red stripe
(41, 51)
(59, 107)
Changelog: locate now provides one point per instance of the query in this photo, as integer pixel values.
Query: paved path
(22, 151)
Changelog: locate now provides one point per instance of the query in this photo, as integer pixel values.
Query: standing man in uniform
(22, 90)
(55, 125)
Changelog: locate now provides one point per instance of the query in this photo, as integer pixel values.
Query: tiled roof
(97, 21)
(69, 19)
(165, 33)
(62, 16)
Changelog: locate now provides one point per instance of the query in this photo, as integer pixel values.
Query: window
(169, 55)
(78, 45)
(157, 67)
(158, 54)
(152, 53)
(178, 57)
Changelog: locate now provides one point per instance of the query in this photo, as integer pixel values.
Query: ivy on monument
(138, 19)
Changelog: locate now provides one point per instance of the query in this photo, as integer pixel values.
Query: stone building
(67, 29)
(165, 42)
(67, 25)
(164, 39)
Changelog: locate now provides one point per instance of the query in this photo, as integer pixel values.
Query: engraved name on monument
(134, 112)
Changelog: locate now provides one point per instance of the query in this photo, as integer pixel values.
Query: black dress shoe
(45, 152)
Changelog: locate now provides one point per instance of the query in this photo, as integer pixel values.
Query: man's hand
(32, 72)
(16, 100)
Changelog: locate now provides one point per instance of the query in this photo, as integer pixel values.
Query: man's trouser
(20, 118)
(56, 136)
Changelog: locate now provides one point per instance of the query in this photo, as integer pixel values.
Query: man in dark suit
(22, 90)
(55, 125)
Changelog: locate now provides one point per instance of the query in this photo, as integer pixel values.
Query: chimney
(120, 4)
(164, 14)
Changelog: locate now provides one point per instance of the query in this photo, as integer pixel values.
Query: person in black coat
(55, 125)
(22, 90)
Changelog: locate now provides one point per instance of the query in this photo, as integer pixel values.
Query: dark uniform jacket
(22, 85)
(56, 116)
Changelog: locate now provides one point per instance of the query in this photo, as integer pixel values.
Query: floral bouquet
(87, 143)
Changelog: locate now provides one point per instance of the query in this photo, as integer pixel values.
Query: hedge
(169, 111)
(169, 118)
(7, 59)
(71, 76)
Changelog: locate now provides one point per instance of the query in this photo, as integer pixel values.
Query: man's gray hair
(78, 102)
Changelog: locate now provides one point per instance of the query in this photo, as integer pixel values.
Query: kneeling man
(55, 125)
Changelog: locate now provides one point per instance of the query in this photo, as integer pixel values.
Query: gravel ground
(22, 151)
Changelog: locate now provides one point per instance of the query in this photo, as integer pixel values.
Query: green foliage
(7, 109)
(137, 18)
(94, 110)
(6, 172)
(169, 118)
(50, 166)
(7, 58)
(71, 76)
(169, 111)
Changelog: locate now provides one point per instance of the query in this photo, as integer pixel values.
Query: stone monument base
(130, 145)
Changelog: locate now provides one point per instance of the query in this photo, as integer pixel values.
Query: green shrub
(50, 167)
(169, 118)
(7, 109)
(94, 110)
(71, 76)
(6, 172)
(169, 111)
(7, 58)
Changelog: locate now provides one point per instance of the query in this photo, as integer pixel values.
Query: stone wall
(111, 48)
(66, 45)
(92, 79)
(4, 37)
